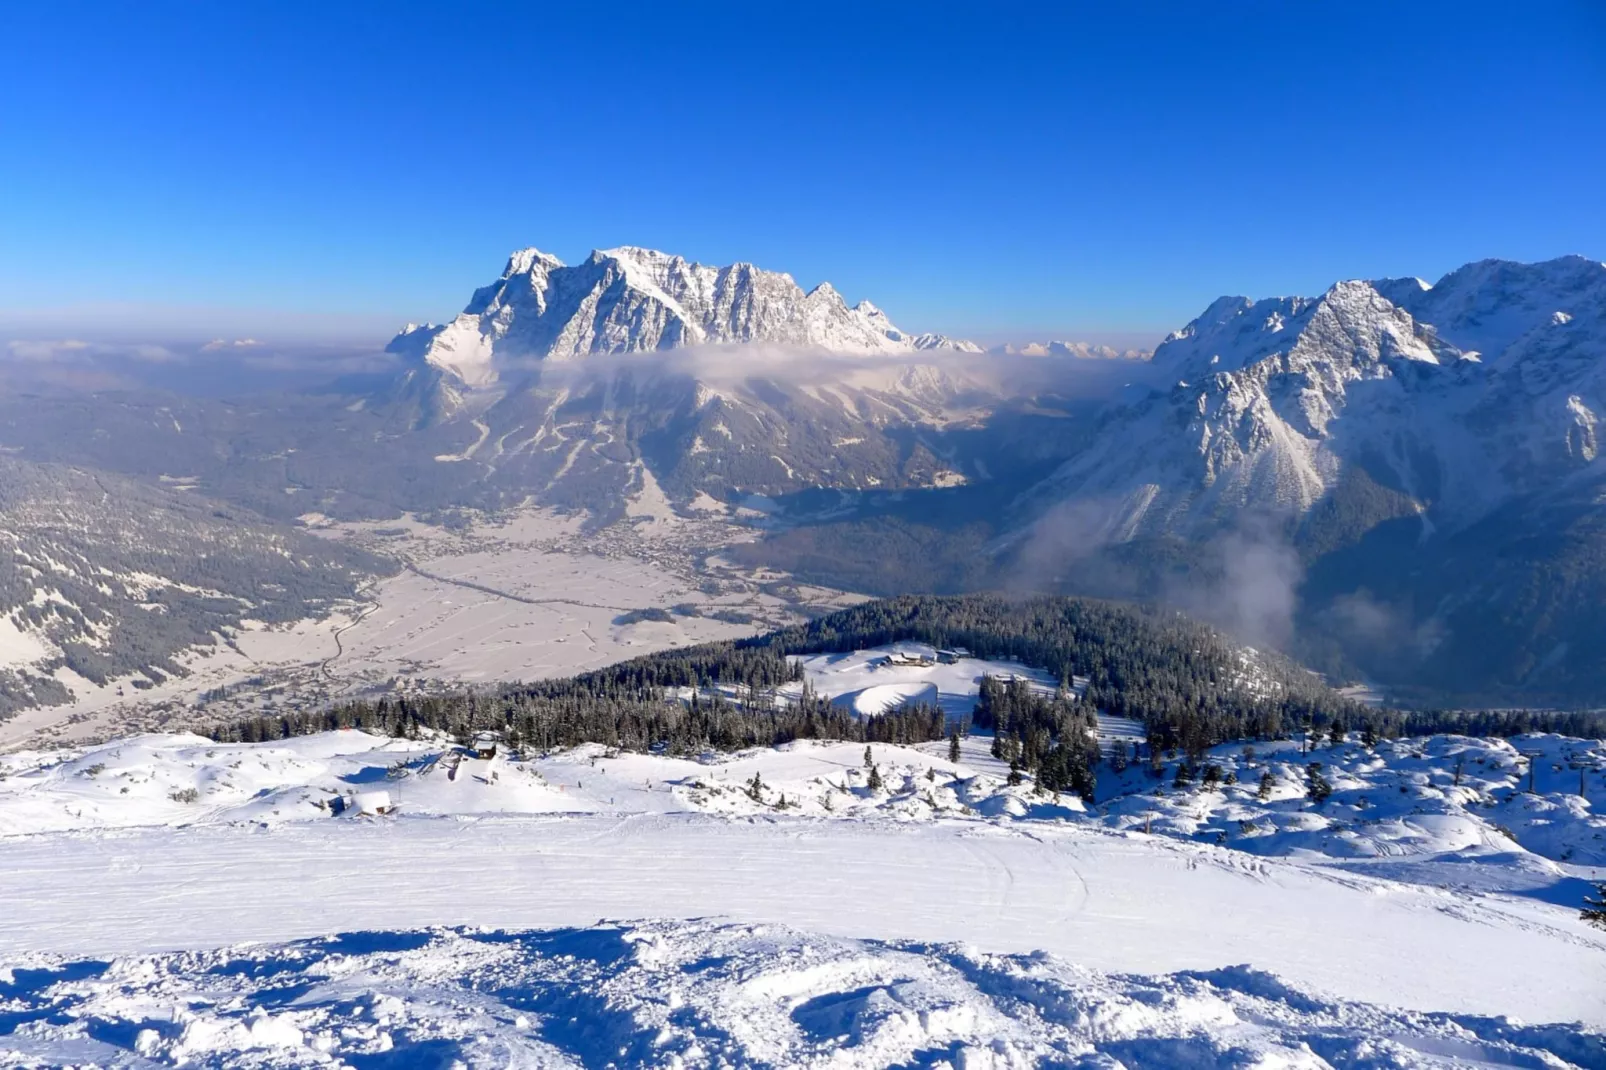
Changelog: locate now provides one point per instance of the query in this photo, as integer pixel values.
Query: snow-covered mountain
(104, 580)
(754, 385)
(632, 300)
(1079, 350)
(1452, 427)
(1456, 396)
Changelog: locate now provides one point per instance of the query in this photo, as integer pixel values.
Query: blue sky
(993, 170)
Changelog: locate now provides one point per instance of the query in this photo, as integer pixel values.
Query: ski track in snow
(1364, 932)
(1107, 901)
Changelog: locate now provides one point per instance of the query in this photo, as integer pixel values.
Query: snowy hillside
(105, 581)
(708, 994)
(95, 839)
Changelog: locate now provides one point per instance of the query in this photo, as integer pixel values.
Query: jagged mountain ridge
(633, 300)
(1068, 349)
(741, 383)
(1431, 452)
(1456, 395)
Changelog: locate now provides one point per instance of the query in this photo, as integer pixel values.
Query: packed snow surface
(709, 994)
(161, 843)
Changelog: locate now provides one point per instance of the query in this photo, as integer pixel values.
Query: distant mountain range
(1423, 459)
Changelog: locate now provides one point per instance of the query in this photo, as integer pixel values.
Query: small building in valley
(484, 745)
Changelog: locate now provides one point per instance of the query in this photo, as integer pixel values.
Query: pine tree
(869, 761)
(755, 788)
(1594, 911)
(1014, 773)
(1317, 789)
(874, 783)
(1184, 776)
(1267, 782)
(953, 746)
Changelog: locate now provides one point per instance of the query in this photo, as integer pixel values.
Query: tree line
(1189, 686)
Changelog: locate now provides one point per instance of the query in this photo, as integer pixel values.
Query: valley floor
(527, 595)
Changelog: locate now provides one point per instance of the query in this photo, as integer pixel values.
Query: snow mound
(709, 994)
(1414, 797)
(884, 698)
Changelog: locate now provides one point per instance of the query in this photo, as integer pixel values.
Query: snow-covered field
(869, 682)
(127, 852)
(710, 994)
(169, 900)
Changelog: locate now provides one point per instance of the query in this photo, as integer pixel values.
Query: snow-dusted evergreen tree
(1594, 911)
(953, 746)
(1317, 789)
(1267, 782)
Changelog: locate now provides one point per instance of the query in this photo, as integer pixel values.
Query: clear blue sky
(994, 170)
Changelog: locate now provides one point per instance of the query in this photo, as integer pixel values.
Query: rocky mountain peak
(630, 299)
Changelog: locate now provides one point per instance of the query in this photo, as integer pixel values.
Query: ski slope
(133, 846)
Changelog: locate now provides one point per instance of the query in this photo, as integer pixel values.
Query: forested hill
(1151, 664)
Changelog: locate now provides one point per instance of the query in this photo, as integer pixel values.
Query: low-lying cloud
(216, 367)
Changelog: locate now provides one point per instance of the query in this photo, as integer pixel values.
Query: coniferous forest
(1190, 686)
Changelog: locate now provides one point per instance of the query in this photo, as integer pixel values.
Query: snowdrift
(701, 994)
(884, 698)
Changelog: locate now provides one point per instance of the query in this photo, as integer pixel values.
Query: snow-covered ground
(869, 681)
(710, 994)
(155, 844)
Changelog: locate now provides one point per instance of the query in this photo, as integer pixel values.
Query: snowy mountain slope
(1421, 799)
(707, 994)
(740, 383)
(104, 578)
(1268, 403)
(1429, 390)
(631, 300)
(1118, 902)
(1429, 453)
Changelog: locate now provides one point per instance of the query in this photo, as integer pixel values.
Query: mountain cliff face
(631, 300)
(1431, 451)
(1457, 396)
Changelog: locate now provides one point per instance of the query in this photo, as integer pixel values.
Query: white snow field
(709, 994)
(808, 925)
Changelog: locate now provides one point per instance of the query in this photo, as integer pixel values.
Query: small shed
(484, 745)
